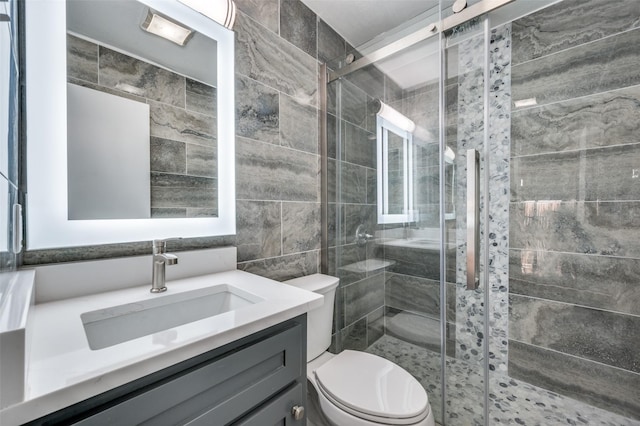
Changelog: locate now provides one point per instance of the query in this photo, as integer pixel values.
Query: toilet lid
(370, 385)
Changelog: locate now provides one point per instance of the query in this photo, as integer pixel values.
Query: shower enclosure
(481, 192)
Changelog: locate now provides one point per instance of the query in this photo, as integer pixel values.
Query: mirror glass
(395, 172)
(395, 163)
(141, 115)
(131, 133)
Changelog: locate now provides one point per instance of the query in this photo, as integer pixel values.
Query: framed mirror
(130, 135)
(395, 171)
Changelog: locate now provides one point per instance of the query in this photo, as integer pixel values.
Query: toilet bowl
(356, 388)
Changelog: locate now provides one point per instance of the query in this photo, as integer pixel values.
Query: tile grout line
(578, 45)
(575, 304)
(575, 253)
(578, 98)
(579, 357)
(577, 150)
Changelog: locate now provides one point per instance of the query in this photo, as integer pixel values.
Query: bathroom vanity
(257, 380)
(219, 344)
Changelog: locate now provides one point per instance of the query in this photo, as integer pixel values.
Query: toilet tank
(319, 320)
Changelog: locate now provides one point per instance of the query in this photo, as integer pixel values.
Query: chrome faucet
(160, 259)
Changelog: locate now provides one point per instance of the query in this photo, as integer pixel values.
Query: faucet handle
(160, 244)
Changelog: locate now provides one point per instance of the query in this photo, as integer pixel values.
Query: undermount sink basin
(118, 324)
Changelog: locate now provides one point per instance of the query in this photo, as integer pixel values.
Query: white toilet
(356, 388)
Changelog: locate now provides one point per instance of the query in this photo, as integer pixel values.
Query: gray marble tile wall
(360, 300)
(182, 122)
(360, 297)
(277, 156)
(574, 255)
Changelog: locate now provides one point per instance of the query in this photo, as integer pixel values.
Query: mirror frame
(46, 105)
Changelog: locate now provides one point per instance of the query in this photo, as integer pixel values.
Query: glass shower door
(464, 106)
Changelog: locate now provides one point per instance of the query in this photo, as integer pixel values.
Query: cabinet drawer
(223, 388)
(275, 412)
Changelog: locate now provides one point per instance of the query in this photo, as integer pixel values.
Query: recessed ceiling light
(166, 28)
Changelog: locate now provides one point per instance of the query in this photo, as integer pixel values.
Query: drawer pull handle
(298, 412)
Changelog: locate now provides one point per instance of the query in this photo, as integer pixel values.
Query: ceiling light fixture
(166, 28)
(525, 102)
(396, 118)
(221, 11)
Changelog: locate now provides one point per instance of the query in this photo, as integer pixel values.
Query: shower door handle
(473, 218)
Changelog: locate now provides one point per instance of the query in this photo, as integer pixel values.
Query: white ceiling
(359, 21)
(371, 24)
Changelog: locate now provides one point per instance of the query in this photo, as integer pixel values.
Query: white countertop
(63, 370)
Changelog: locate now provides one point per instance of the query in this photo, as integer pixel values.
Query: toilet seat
(372, 388)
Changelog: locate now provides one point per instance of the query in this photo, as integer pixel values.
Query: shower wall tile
(332, 138)
(354, 183)
(345, 256)
(372, 186)
(469, 322)
(354, 104)
(414, 294)
(605, 119)
(576, 278)
(300, 227)
(363, 297)
(298, 125)
(177, 124)
(82, 59)
(600, 336)
(427, 185)
(298, 25)
(331, 46)
(266, 12)
(375, 326)
(597, 384)
(335, 211)
(499, 140)
(202, 160)
(332, 184)
(263, 56)
(354, 336)
(360, 145)
(201, 98)
(590, 175)
(424, 263)
(601, 66)
(356, 215)
(258, 229)
(284, 268)
(557, 27)
(168, 156)
(269, 172)
(129, 74)
(417, 329)
(370, 79)
(605, 228)
(257, 111)
(392, 91)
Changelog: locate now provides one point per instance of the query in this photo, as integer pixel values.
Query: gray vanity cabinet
(255, 381)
